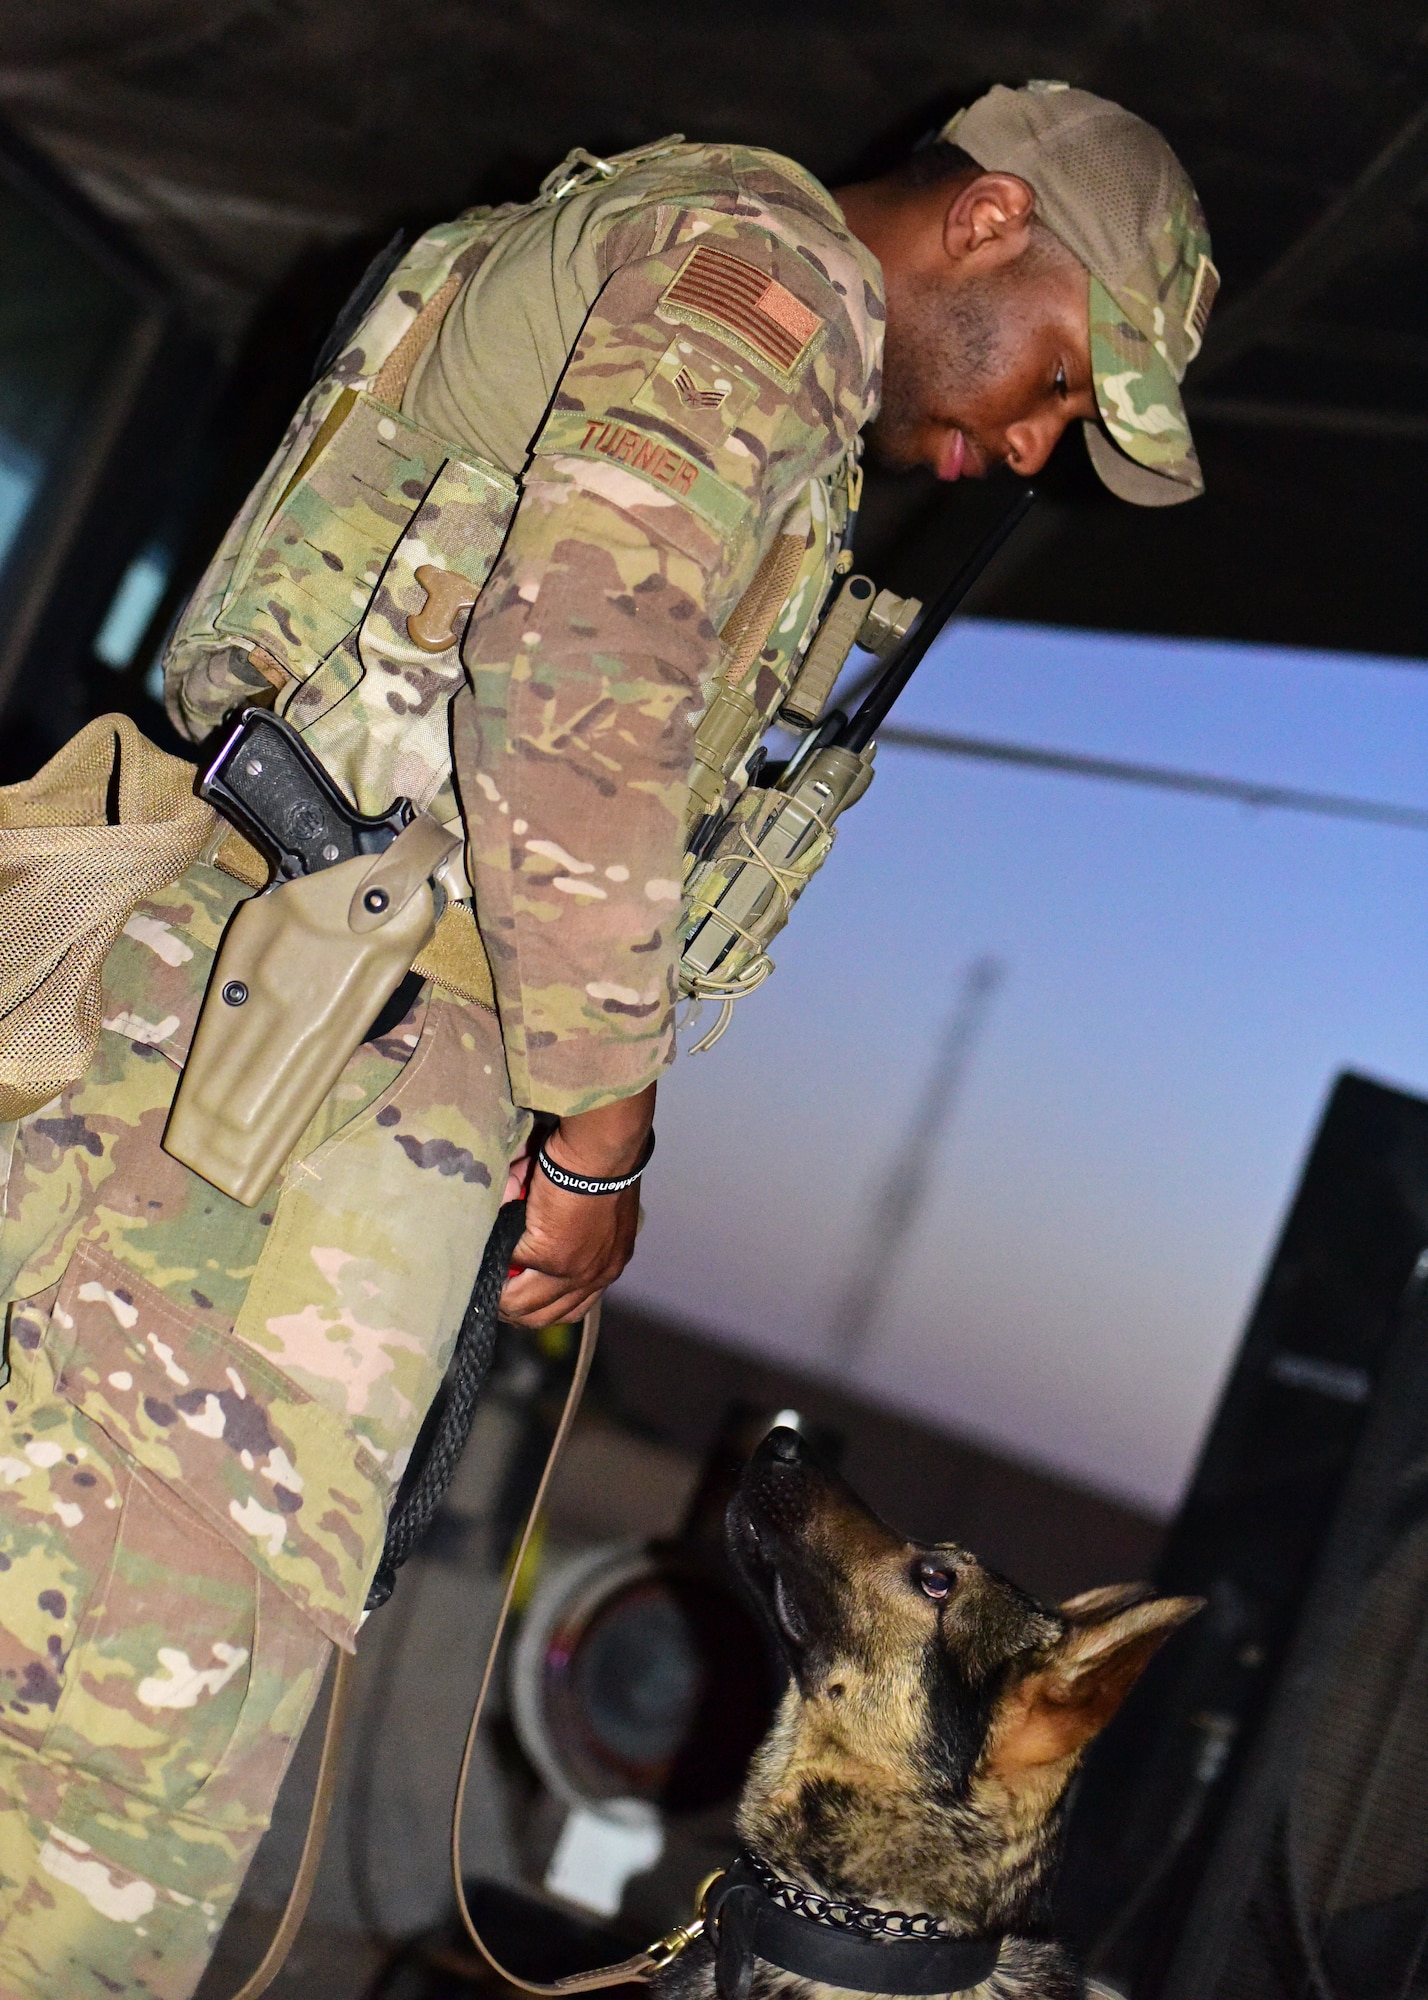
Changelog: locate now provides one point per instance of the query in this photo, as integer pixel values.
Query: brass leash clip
(683, 1935)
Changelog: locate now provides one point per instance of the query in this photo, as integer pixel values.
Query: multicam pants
(207, 1410)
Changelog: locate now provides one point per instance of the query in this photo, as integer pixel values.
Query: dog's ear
(1049, 1715)
(1091, 1604)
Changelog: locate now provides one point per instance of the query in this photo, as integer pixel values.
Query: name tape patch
(628, 446)
(722, 506)
(722, 290)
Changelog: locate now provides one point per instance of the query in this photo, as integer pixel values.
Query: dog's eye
(932, 1579)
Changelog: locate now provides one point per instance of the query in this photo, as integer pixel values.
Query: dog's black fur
(935, 1715)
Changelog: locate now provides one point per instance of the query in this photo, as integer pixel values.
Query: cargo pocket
(378, 1234)
(159, 1675)
(224, 1435)
(126, 1625)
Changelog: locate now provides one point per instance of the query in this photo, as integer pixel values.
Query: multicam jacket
(595, 418)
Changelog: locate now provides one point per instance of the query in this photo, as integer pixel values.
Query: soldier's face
(985, 366)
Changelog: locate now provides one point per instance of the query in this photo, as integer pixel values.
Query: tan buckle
(448, 594)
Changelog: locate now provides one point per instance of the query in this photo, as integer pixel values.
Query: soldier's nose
(1030, 444)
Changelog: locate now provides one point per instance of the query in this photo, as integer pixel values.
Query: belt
(455, 958)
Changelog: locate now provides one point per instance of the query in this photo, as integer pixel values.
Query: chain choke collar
(752, 1914)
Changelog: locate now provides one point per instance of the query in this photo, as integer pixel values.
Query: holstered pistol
(303, 968)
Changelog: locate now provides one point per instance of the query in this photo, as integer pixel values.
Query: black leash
(752, 1915)
(470, 1365)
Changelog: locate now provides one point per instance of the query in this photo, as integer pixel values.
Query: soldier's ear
(989, 220)
(1048, 1716)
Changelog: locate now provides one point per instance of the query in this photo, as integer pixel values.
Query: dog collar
(750, 1915)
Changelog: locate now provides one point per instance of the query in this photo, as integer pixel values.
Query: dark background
(246, 157)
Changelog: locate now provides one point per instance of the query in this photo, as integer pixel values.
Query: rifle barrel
(858, 733)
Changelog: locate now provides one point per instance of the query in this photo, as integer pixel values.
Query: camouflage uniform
(620, 396)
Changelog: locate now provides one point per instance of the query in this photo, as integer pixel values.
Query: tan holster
(301, 973)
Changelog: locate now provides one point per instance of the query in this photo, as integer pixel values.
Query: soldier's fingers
(593, 1259)
(531, 1254)
(554, 1312)
(538, 1298)
(544, 1278)
(528, 1292)
(564, 1312)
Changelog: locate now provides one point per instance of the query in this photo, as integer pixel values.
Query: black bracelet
(590, 1183)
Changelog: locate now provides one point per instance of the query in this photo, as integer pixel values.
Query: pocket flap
(276, 1473)
(411, 636)
(309, 579)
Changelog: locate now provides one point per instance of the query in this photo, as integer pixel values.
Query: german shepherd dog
(934, 1718)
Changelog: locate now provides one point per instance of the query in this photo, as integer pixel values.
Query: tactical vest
(347, 579)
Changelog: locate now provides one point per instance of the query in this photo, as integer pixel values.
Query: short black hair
(933, 161)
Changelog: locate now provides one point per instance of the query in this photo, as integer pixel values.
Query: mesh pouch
(109, 820)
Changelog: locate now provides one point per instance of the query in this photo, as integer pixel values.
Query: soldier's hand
(576, 1244)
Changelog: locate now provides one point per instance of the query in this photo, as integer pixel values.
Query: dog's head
(937, 1712)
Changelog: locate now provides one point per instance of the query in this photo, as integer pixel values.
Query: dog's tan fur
(920, 1756)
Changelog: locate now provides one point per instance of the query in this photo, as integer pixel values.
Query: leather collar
(747, 1924)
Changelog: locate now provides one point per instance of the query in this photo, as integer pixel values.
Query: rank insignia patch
(695, 393)
(717, 290)
(694, 396)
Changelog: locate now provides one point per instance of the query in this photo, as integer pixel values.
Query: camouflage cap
(1109, 187)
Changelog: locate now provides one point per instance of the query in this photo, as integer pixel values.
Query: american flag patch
(747, 302)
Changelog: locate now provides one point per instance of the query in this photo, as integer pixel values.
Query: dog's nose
(784, 1444)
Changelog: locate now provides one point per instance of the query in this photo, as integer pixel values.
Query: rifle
(749, 864)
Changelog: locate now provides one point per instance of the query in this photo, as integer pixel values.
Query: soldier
(579, 461)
